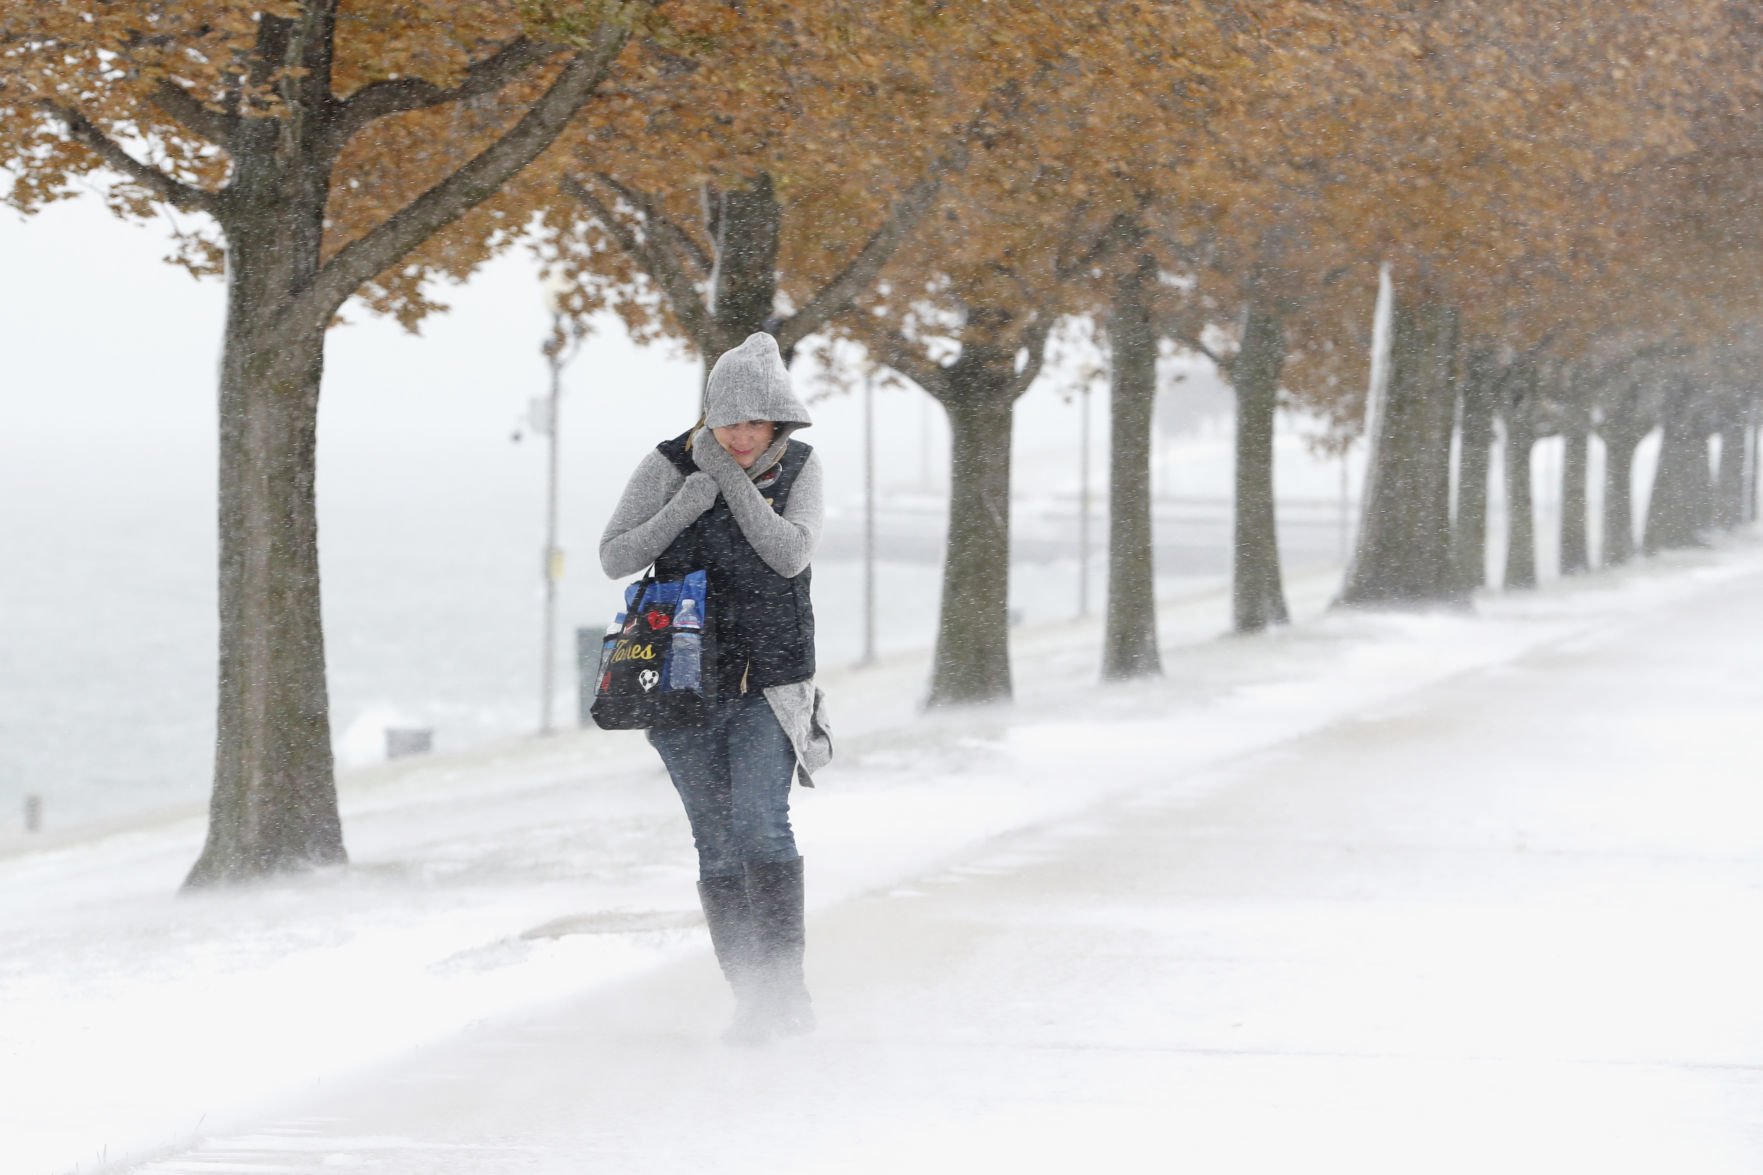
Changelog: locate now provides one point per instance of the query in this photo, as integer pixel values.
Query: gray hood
(751, 382)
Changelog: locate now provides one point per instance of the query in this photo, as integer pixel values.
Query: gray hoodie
(749, 382)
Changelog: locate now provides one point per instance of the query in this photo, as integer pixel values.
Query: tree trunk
(1619, 447)
(274, 804)
(1575, 465)
(1756, 461)
(1129, 638)
(1404, 555)
(1475, 452)
(722, 293)
(1521, 557)
(972, 660)
(746, 224)
(1257, 592)
(1682, 489)
(1699, 480)
(1730, 479)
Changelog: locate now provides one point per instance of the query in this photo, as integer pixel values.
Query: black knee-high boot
(775, 901)
(738, 952)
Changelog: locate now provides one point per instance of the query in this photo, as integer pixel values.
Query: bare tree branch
(1035, 339)
(1194, 258)
(901, 354)
(862, 270)
(172, 191)
(402, 95)
(860, 273)
(1541, 346)
(1611, 369)
(661, 265)
(663, 226)
(363, 259)
(1121, 232)
(189, 112)
(1193, 343)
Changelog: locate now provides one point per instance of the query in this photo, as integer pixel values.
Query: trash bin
(408, 740)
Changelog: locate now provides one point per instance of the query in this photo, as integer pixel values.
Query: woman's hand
(714, 460)
(698, 493)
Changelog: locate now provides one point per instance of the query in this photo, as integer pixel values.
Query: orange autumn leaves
(1485, 146)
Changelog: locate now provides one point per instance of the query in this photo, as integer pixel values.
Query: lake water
(432, 599)
(430, 518)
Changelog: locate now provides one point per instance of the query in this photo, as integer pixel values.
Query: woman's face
(746, 442)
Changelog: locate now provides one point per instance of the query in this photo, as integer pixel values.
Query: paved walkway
(1511, 925)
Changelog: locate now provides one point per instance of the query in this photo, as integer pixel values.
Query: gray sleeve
(658, 503)
(785, 541)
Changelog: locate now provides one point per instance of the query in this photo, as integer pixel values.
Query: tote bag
(657, 662)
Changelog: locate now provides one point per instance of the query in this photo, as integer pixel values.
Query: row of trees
(1562, 198)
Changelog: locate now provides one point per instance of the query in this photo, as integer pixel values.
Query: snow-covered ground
(1379, 893)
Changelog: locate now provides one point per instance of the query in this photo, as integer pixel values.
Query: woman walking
(740, 499)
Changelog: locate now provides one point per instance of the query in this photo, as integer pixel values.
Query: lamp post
(868, 516)
(1083, 505)
(557, 352)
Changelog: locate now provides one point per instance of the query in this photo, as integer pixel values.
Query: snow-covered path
(1506, 922)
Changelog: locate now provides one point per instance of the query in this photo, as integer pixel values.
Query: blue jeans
(734, 776)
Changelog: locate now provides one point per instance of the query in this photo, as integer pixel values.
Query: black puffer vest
(763, 623)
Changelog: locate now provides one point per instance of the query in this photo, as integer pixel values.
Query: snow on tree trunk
(1682, 500)
(1754, 465)
(1575, 467)
(273, 806)
(1619, 448)
(972, 660)
(1129, 639)
(1521, 558)
(1729, 480)
(1404, 555)
(1257, 592)
(1699, 480)
(1475, 457)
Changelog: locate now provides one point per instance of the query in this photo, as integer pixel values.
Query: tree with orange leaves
(1049, 224)
(941, 204)
(775, 207)
(1463, 146)
(329, 149)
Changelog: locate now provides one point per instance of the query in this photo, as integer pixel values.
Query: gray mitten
(713, 459)
(698, 493)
